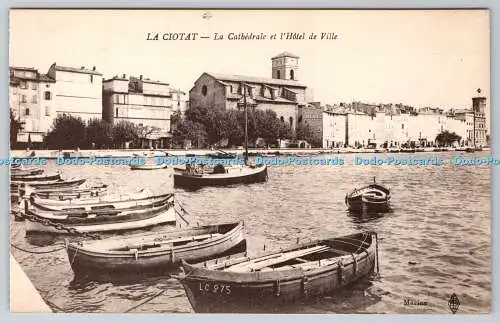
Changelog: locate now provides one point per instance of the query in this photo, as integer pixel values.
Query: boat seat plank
(158, 243)
(280, 258)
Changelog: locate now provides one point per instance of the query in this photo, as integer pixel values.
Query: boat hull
(105, 224)
(147, 167)
(369, 203)
(85, 261)
(256, 175)
(59, 184)
(211, 291)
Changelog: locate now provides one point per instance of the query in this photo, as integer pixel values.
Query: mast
(246, 121)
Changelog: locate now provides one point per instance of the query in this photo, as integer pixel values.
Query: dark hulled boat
(371, 198)
(41, 177)
(194, 176)
(276, 280)
(220, 176)
(156, 251)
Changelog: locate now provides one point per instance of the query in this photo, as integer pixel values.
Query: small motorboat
(220, 154)
(153, 251)
(101, 220)
(268, 283)
(194, 176)
(371, 198)
(142, 199)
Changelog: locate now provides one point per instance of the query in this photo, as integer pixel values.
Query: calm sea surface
(435, 242)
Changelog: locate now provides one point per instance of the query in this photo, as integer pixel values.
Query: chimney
(82, 67)
(93, 68)
(140, 77)
(124, 76)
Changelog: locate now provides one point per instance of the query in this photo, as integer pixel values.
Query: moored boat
(57, 184)
(25, 171)
(35, 178)
(101, 220)
(276, 280)
(153, 251)
(65, 193)
(148, 167)
(142, 199)
(220, 176)
(370, 198)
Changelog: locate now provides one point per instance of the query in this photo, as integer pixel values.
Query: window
(23, 85)
(34, 99)
(292, 75)
(230, 89)
(291, 122)
(204, 90)
(282, 119)
(23, 98)
(116, 114)
(48, 85)
(34, 86)
(278, 74)
(47, 111)
(402, 126)
(48, 95)
(91, 78)
(27, 112)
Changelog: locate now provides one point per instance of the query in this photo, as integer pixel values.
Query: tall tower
(285, 66)
(479, 103)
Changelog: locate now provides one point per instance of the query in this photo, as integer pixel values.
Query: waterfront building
(389, 125)
(479, 120)
(77, 91)
(144, 102)
(31, 100)
(282, 93)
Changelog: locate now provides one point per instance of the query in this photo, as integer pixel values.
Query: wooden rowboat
(103, 220)
(35, 178)
(220, 176)
(25, 171)
(155, 251)
(141, 200)
(148, 167)
(273, 281)
(371, 198)
(58, 184)
(65, 194)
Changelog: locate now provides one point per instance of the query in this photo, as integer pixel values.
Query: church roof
(285, 54)
(258, 80)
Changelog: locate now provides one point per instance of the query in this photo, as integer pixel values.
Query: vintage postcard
(250, 161)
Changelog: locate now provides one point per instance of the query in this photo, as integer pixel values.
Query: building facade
(144, 102)
(282, 93)
(365, 125)
(479, 121)
(77, 91)
(31, 100)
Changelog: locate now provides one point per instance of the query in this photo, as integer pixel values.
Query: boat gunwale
(196, 271)
(209, 242)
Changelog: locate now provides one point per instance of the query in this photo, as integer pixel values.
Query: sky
(417, 57)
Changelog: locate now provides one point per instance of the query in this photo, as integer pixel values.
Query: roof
(76, 70)
(23, 68)
(286, 54)
(257, 80)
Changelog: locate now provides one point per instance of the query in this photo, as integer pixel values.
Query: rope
(34, 251)
(145, 301)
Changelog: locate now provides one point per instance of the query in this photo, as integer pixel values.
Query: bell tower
(285, 66)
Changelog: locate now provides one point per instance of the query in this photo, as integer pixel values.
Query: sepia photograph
(250, 161)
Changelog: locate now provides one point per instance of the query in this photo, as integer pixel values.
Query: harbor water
(435, 242)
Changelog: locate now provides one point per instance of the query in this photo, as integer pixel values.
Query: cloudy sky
(421, 58)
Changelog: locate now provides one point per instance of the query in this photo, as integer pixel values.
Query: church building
(282, 93)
